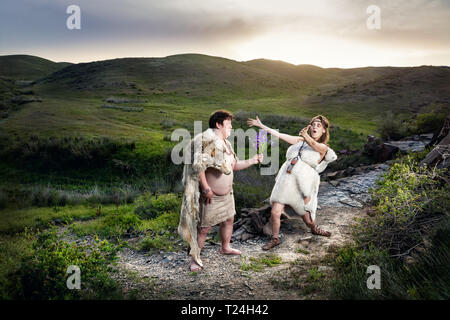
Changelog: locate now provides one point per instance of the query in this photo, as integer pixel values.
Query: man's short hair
(218, 117)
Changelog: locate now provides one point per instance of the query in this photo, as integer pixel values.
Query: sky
(325, 33)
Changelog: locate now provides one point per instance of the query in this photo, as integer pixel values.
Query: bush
(428, 277)
(149, 206)
(161, 232)
(56, 153)
(168, 123)
(3, 199)
(42, 271)
(430, 122)
(350, 281)
(389, 127)
(411, 200)
(411, 207)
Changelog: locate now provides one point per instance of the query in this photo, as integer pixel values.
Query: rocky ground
(167, 275)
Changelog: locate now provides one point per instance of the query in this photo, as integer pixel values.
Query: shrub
(428, 277)
(411, 207)
(411, 200)
(350, 281)
(161, 232)
(389, 126)
(42, 271)
(430, 122)
(56, 153)
(150, 206)
(168, 123)
(156, 243)
(3, 199)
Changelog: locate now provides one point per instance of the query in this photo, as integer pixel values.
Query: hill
(176, 90)
(402, 89)
(26, 67)
(195, 73)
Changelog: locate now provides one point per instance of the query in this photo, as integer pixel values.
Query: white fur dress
(291, 188)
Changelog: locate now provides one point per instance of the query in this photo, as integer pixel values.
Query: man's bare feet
(230, 251)
(195, 267)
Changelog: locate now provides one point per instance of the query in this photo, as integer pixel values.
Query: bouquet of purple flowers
(261, 143)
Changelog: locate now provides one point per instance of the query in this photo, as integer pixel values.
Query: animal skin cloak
(206, 150)
(303, 181)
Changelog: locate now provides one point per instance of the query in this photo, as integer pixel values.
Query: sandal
(317, 231)
(272, 243)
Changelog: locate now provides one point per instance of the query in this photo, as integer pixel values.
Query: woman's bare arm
(283, 136)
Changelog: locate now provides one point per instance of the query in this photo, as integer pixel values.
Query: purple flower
(261, 141)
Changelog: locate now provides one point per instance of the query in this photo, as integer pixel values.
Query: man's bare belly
(219, 183)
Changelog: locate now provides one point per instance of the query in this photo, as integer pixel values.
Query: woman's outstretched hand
(254, 122)
(304, 132)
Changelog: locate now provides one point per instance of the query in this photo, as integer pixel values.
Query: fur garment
(291, 188)
(206, 150)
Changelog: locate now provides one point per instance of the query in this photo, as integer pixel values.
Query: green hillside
(185, 75)
(26, 67)
(402, 89)
(188, 87)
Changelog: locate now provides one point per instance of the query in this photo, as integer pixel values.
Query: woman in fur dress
(297, 181)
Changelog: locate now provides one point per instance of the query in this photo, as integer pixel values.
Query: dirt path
(167, 275)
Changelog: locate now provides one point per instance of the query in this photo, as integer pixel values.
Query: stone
(305, 243)
(324, 269)
(385, 151)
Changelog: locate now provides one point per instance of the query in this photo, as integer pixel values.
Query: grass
(305, 279)
(258, 263)
(16, 220)
(161, 232)
(303, 251)
(20, 227)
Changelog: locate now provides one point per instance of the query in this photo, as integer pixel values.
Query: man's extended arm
(244, 164)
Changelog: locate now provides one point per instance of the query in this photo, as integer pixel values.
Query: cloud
(218, 26)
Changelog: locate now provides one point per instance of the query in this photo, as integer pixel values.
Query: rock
(408, 145)
(334, 183)
(371, 144)
(385, 151)
(305, 243)
(324, 269)
(351, 202)
(267, 229)
(22, 100)
(245, 236)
